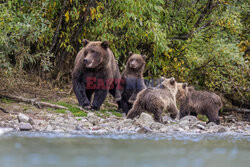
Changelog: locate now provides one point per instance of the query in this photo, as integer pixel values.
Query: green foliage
(202, 117)
(62, 111)
(7, 101)
(24, 35)
(109, 111)
(75, 110)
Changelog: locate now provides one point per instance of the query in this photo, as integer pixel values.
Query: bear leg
(99, 98)
(124, 106)
(80, 93)
(135, 111)
(183, 111)
(212, 115)
(158, 116)
(172, 110)
(157, 111)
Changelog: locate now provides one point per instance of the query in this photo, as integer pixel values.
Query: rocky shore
(49, 121)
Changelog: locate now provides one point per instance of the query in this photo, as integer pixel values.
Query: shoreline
(40, 120)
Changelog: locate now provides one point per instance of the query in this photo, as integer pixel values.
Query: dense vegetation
(202, 42)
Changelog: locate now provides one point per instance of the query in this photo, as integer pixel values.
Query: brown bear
(194, 102)
(133, 81)
(95, 72)
(156, 100)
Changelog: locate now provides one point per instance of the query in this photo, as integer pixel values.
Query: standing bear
(95, 72)
(194, 102)
(133, 81)
(156, 100)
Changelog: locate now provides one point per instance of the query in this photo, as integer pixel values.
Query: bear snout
(133, 65)
(85, 61)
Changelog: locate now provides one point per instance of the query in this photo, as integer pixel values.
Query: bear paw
(88, 107)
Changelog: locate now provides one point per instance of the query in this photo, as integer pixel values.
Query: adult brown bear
(95, 72)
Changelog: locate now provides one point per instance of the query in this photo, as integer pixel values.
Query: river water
(26, 149)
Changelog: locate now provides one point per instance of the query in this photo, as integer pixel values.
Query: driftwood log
(34, 102)
(3, 110)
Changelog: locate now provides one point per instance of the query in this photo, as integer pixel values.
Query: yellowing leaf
(67, 16)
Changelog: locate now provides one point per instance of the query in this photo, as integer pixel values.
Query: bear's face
(182, 90)
(136, 61)
(170, 84)
(94, 53)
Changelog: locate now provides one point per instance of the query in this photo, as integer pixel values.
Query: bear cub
(95, 73)
(156, 100)
(194, 102)
(133, 81)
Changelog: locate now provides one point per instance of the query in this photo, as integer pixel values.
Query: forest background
(202, 42)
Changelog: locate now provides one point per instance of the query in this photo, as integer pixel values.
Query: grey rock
(184, 123)
(59, 119)
(210, 124)
(145, 119)
(49, 128)
(25, 127)
(222, 129)
(22, 118)
(86, 125)
(126, 123)
(189, 118)
(144, 130)
(165, 129)
(156, 126)
(29, 111)
(167, 119)
(110, 125)
(179, 129)
(218, 129)
(199, 125)
(92, 118)
(78, 127)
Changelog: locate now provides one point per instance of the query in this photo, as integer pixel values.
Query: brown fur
(94, 60)
(133, 80)
(194, 102)
(156, 100)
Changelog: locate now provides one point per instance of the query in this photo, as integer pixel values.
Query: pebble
(144, 130)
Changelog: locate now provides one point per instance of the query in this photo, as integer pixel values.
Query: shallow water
(25, 149)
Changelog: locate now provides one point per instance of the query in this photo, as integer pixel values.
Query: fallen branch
(3, 110)
(38, 104)
(238, 110)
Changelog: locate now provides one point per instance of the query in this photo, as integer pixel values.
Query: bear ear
(105, 44)
(85, 42)
(172, 81)
(144, 57)
(130, 54)
(162, 79)
(184, 85)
